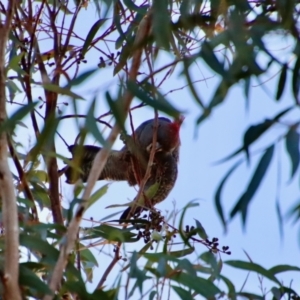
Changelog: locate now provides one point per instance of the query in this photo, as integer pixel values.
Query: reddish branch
(23, 179)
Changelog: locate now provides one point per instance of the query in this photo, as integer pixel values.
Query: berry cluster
(214, 246)
(155, 223)
(110, 60)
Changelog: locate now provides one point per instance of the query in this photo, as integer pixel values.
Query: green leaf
(29, 279)
(281, 82)
(41, 195)
(296, 79)
(283, 268)
(125, 54)
(181, 253)
(279, 216)
(250, 266)
(219, 192)
(185, 264)
(86, 255)
(37, 176)
(247, 82)
(97, 195)
(250, 296)
(81, 78)
(45, 230)
(59, 90)
(200, 230)
(186, 64)
(91, 124)
(160, 104)
(38, 245)
(161, 23)
(117, 109)
(89, 38)
(209, 57)
(200, 285)
(131, 5)
(110, 233)
(254, 132)
(183, 294)
(77, 287)
(13, 89)
(142, 200)
(141, 251)
(292, 140)
(182, 234)
(218, 97)
(12, 121)
(135, 272)
(259, 173)
(118, 12)
(231, 289)
(14, 64)
(44, 139)
(111, 294)
(211, 260)
(152, 295)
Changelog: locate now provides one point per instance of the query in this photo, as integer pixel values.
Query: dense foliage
(139, 43)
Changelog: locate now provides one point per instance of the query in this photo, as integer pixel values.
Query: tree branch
(110, 266)
(98, 165)
(7, 191)
(22, 177)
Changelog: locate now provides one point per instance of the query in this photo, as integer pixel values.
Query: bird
(130, 163)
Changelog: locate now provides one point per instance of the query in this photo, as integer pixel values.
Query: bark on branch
(7, 191)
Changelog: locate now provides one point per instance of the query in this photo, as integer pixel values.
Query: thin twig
(98, 165)
(83, 116)
(110, 266)
(22, 177)
(153, 149)
(7, 191)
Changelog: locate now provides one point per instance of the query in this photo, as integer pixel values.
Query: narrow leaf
(250, 266)
(200, 285)
(160, 104)
(161, 23)
(292, 140)
(30, 279)
(253, 133)
(259, 173)
(182, 293)
(81, 78)
(283, 268)
(230, 286)
(91, 124)
(182, 253)
(281, 82)
(200, 230)
(97, 195)
(59, 90)
(218, 201)
(89, 38)
(209, 57)
(10, 123)
(296, 79)
(130, 4)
